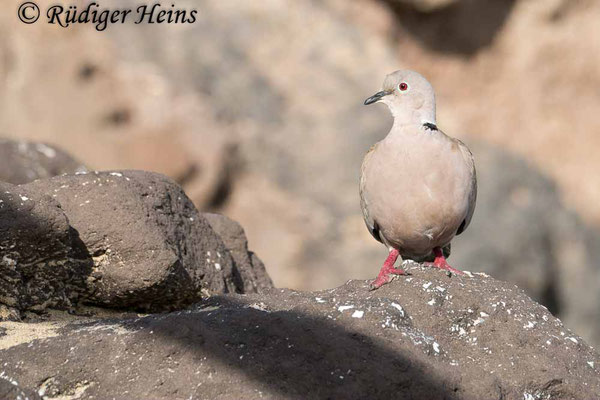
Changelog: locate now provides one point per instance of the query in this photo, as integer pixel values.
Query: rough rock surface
(22, 162)
(151, 248)
(424, 336)
(10, 390)
(43, 262)
(253, 273)
(117, 239)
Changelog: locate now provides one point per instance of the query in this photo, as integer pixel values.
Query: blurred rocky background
(256, 109)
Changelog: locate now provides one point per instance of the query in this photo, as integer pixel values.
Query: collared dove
(417, 185)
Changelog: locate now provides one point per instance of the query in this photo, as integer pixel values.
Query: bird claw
(441, 263)
(385, 278)
(444, 266)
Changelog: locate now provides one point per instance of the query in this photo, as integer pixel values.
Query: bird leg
(387, 271)
(441, 263)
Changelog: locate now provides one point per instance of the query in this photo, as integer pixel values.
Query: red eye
(403, 86)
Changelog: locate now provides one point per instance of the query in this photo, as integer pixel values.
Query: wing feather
(372, 225)
(473, 193)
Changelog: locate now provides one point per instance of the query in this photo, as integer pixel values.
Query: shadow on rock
(43, 262)
(427, 336)
(227, 349)
(299, 355)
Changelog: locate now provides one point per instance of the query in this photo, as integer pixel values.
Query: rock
(253, 274)
(425, 5)
(424, 336)
(43, 262)
(10, 390)
(300, 227)
(150, 247)
(513, 236)
(22, 162)
(174, 100)
(128, 239)
(524, 234)
(459, 27)
(278, 127)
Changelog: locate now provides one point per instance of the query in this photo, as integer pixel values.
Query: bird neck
(420, 116)
(401, 125)
(414, 125)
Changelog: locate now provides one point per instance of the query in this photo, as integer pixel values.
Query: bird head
(408, 95)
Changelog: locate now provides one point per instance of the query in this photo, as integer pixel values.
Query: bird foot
(441, 263)
(386, 275)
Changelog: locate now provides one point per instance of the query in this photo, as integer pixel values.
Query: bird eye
(403, 86)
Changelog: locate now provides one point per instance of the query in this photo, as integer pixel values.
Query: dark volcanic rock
(23, 162)
(252, 270)
(119, 239)
(42, 261)
(10, 390)
(150, 247)
(424, 336)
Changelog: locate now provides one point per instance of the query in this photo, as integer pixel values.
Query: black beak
(375, 98)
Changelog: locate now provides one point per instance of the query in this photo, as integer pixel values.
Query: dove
(418, 186)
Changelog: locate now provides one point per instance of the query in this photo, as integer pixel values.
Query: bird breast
(417, 190)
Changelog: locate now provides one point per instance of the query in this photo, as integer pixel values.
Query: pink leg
(387, 271)
(441, 263)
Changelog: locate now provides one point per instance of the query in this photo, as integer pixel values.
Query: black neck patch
(430, 126)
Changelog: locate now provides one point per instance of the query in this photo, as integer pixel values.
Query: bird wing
(372, 225)
(468, 156)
